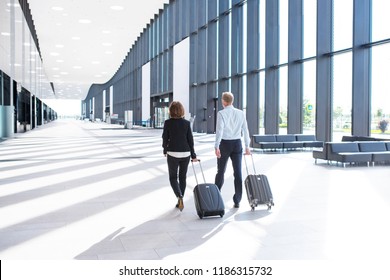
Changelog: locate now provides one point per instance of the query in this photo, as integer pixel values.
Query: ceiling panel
(85, 41)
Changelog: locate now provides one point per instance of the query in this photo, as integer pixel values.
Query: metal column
(324, 71)
(271, 117)
(253, 64)
(237, 53)
(223, 47)
(361, 89)
(212, 63)
(295, 67)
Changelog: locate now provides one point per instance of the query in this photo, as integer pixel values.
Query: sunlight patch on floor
(354, 209)
(104, 227)
(16, 213)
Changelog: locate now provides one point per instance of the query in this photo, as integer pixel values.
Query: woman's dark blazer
(177, 136)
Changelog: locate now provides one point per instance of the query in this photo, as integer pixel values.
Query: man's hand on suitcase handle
(247, 151)
(217, 152)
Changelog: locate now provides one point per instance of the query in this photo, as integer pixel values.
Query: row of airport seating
(352, 149)
(354, 152)
(285, 141)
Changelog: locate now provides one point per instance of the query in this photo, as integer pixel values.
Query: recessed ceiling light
(107, 44)
(84, 21)
(77, 67)
(55, 68)
(57, 8)
(59, 60)
(5, 33)
(59, 46)
(54, 54)
(117, 8)
(15, 5)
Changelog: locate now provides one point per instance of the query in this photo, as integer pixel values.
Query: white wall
(104, 105)
(19, 57)
(112, 101)
(181, 74)
(146, 91)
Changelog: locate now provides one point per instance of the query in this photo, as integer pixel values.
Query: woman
(178, 145)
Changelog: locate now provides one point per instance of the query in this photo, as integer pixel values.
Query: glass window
(18, 63)
(283, 99)
(283, 31)
(342, 24)
(244, 37)
(244, 90)
(28, 71)
(262, 102)
(5, 36)
(309, 28)
(309, 97)
(380, 90)
(229, 63)
(244, 53)
(262, 34)
(380, 18)
(342, 95)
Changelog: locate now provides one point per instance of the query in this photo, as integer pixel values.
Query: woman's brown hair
(176, 110)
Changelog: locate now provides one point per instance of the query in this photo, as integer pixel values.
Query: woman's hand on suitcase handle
(195, 159)
(247, 151)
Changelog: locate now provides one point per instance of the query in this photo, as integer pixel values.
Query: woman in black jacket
(178, 145)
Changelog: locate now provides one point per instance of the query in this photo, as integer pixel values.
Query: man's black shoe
(236, 205)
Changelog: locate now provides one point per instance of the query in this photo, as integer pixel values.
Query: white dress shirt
(231, 125)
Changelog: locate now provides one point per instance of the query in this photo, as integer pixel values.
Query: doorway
(160, 109)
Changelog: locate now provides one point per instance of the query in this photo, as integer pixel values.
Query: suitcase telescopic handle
(201, 169)
(253, 164)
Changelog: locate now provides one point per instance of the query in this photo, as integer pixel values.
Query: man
(231, 126)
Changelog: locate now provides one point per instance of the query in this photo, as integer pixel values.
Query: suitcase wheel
(253, 205)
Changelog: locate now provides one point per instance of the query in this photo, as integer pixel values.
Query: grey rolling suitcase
(207, 197)
(258, 188)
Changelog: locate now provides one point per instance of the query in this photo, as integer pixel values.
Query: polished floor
(82, 190)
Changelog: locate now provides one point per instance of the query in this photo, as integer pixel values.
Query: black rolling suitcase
(207, 197)
(258, 188)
